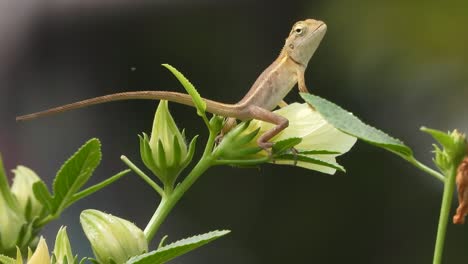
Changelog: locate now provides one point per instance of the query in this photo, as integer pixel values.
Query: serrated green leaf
(75, 172)
(200, 104)
(284, 145)
(7, 260)
(302, 158)
(176, 249)
(43, 196)
(350, 124)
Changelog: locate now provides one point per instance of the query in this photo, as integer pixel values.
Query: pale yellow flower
(316, 134)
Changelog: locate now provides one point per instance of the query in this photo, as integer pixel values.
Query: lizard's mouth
(321, 27)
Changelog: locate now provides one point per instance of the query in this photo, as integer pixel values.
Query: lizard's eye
(298, 30)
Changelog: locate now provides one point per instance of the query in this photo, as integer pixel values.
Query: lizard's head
(304, 39)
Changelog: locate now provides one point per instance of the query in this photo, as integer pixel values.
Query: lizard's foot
(295, 152)
(266, 146)
(219, 138)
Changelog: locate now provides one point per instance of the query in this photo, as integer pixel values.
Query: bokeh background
(396, 64)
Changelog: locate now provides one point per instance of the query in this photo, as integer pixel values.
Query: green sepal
(5, 188)
(454, 148)
(177, 158)
(200, 104)
(296, 157)
(190, 153)
(216, 123)
(318, 152)
(146, 154)
(285, 145)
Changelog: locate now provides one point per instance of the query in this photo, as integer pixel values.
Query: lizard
(267, 92)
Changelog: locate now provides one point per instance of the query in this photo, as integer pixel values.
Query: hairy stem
(444, 215)
(425, 168)
(169, 200)
(145, 177)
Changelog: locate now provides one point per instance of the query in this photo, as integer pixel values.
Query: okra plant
(318, 132)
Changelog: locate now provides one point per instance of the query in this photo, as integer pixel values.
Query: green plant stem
(444, 215)
(168, 201)
(145, 177)
(425, 168)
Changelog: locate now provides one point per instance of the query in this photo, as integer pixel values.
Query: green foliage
(200, 104)
(168, 252)
(350, 124)
(454, 148)
(73, 174)
(285, 145)
(71, 177)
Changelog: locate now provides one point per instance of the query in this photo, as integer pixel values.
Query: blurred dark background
(396, 64)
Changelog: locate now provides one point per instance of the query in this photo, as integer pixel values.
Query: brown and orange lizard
(266, 93)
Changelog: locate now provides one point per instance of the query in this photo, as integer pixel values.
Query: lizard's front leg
(301, 81)
(267, 116)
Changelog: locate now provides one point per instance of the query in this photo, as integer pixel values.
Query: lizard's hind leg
(267, 116)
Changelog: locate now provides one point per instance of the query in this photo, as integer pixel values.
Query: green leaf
(176, 249)
(75, 172)
(200, 104)
(285, 145)
(309, 160)
(7, 260)
(349, 124)
(43, 196)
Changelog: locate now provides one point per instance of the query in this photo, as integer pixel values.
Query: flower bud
(11, 223)
(453, 149)
(22, 190)
(62, 249)
(113, 239)
(41, 255)
(11, 217)
(165, 153)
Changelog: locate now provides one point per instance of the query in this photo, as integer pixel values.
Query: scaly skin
(266, 93)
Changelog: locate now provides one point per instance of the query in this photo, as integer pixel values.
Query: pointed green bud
(62, 249)
(22, 190)
(454, 148)
(113, 239)
(165, 153)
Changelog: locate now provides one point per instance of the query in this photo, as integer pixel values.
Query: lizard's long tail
(228, 110)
